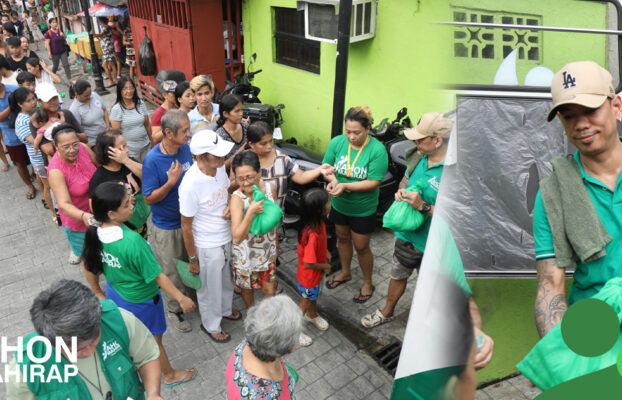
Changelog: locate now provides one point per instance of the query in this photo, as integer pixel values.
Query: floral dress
(244, 385)
(253, 260)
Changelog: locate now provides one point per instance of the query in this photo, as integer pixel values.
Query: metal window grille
(167, 12)
(289, 40)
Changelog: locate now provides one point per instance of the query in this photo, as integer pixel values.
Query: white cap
(46, 91)
(207, 141)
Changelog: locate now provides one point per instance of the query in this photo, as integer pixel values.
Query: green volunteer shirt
(432, 176)
(590, 277)
(371, 164)
(143, 349)
(130, 267)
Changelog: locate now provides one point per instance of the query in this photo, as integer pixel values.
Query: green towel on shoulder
(578, 233)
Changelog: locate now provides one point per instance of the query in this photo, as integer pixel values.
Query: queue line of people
(193, 190)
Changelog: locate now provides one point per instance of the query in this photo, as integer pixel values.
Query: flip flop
(364, 297)
(31, 195)
(5, 168)
(333, 283)
(234, 316)
(225, 340)
(183, 380)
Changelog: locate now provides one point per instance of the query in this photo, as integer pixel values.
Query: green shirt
(432, 176)
(143, 349)
(130, 267)
(590, 277)
(371, 164)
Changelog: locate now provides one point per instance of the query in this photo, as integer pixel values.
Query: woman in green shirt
(360, 163)
(133, 275)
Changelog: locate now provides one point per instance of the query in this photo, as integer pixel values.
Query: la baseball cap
(431, 124)
(582, 82)
(45, 91)
(207, 141)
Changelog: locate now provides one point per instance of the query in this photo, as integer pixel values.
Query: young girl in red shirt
(313, 257)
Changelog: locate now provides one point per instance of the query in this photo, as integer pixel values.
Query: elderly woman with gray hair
(256, 368)
(107, 338)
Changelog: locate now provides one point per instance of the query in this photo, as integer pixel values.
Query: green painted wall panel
(399, 67)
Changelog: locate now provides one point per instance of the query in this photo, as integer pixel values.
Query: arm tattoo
(550, 300)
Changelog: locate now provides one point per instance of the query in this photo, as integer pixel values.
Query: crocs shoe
(318, 321)
(74, 259)
(374, 319)
(304, 340)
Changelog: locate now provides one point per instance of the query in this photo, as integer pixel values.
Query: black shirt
(102, 175)
(17, 65)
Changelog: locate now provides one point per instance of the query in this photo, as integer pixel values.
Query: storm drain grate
(388, 356)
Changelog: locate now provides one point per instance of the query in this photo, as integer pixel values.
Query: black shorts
(360, 225)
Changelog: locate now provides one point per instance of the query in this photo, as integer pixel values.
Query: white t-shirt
(205, 197)
(11, 80)
(45, 77)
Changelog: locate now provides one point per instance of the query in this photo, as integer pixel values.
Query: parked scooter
(253, 108)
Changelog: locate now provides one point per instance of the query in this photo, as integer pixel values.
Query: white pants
(216, 294)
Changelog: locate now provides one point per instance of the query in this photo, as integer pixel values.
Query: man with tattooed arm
(578, 211)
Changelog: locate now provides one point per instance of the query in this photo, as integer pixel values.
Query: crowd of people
(151, 201)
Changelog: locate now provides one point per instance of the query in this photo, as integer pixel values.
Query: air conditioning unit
(321, 20)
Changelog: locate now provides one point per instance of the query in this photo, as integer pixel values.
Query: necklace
(99, 386)
(350, 167)
(162, 145)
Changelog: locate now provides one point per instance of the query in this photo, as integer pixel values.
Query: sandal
(363, 297)
(333, 283)
(184, 379)
(57, 220)
(31, 195)
(374, 319)
(45, 205)
(318, 321)
(211, 335)
(235, 315)
(5, 168)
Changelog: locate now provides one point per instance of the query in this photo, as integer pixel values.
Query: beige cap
(431, 124)
(582, 82)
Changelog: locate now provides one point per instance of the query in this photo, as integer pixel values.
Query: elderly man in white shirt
(206, 227)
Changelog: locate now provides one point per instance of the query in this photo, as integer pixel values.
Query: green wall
(397, 68)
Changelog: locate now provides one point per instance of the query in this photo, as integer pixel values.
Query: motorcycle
(253, 108)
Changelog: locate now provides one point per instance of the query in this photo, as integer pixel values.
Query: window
(487, 43)
(289, 41)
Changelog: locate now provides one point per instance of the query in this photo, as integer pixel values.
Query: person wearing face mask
(360, 163)
(70, 309)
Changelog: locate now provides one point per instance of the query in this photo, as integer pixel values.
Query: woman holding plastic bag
(254, 249)
(417, 196)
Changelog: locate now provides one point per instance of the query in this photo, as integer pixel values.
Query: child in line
(313, 257)
(44, 125)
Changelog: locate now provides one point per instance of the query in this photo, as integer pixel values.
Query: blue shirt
(164, 214)
(22, 129)
(10, 138)
(432, 176)
(198, 122)
(589, 277)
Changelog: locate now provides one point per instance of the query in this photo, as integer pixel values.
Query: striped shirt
(282, 168)
(22, 129)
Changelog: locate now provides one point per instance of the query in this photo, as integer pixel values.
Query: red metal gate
(187, 35)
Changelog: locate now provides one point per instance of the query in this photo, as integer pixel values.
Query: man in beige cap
(576, 218)
(431, 136)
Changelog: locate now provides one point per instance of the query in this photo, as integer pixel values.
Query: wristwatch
(425, 208)
(193, 260)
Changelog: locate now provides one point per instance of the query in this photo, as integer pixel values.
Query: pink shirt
(77, 177)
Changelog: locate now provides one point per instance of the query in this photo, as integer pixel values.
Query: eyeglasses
(128, 89)
(74, 145)
(249, 178)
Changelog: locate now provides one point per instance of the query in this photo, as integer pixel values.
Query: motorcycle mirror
(280, 107)
(401, 113)
(253, 58)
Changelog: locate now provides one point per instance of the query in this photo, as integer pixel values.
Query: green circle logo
(590, 327)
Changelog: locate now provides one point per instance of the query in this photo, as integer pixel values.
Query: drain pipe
(341, 69)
